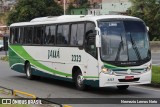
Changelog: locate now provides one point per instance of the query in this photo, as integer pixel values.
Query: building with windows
(115, 6)
(99, 7)
(95, 7)
(93, 11)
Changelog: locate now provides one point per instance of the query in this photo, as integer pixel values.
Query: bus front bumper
(114, 80)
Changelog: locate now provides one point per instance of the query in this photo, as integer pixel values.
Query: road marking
(149, 88)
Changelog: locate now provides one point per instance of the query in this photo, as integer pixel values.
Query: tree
(25, 10)
(149, 11)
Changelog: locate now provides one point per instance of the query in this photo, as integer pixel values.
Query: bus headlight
(106, 70)
(148, 68)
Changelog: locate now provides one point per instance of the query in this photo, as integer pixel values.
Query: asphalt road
(50, 88)
(156, 58)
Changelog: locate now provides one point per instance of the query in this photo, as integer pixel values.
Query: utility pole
(64, 6)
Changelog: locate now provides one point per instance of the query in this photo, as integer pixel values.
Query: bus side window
(49, 36)
(28, 34)
(38, 35)
(11, 35)
(63, 34)
(53, 33)
(80, 34)
(73, 38)
(59, 34)
(16, 35)
(77, 34)
(21, 35)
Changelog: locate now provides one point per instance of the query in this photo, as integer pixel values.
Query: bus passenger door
(92, 60)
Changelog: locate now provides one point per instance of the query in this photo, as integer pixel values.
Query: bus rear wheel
(123, 87)
(28, 71)
(79, 81)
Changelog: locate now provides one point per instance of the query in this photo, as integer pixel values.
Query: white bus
(107, 50)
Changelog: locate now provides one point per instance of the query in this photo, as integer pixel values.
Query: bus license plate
(129, 77)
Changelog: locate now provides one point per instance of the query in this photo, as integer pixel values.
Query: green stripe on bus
(22, 52)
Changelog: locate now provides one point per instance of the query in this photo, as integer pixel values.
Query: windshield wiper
(135, 48)
(119, 49)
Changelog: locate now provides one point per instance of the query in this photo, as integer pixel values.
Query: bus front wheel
(122, 87)
(28, 71)
(79, 81)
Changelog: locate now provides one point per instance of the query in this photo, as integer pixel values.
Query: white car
(1, 45)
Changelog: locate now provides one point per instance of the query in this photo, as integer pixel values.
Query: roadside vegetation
(156, 75)
(4, 58)
(25, 10)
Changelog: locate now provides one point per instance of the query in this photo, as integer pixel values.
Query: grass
(4, 58)
(156, 74)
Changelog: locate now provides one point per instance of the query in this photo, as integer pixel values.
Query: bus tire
(122, 87)
(28, 71)
(79, 81)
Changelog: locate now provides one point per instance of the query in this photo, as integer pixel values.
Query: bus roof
(69, 18)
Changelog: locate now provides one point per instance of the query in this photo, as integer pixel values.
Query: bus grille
(132, 80)
(133, 72)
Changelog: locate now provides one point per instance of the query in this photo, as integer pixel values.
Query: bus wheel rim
(80, 80)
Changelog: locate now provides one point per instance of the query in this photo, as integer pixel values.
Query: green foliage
(25, 10)
(70, 7)
(4, 58)
(156, 75)
(149, 11)
(84, 4)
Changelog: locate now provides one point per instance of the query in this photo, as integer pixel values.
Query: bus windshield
(124, 41)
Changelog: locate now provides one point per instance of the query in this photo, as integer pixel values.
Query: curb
(152, 85)
(21, 94)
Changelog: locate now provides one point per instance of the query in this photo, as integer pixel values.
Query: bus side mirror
(147, 28)
(98, 41)
(5, 43)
